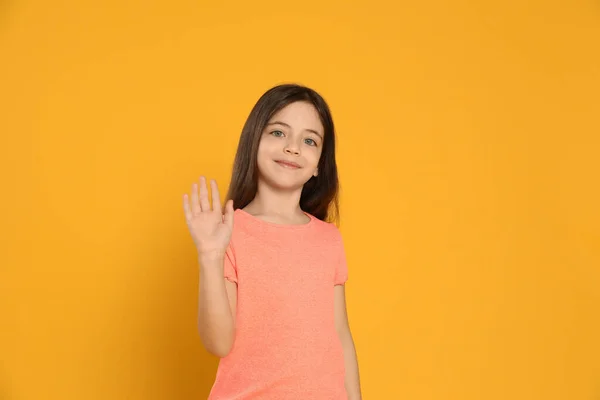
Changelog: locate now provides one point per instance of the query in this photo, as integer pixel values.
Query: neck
(275, 203)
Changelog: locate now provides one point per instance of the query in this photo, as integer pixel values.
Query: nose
(291, 148)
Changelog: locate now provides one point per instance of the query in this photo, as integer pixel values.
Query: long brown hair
(320, 194)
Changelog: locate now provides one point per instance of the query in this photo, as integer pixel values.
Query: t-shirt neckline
(276, 225)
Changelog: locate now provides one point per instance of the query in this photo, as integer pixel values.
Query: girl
(271, 294)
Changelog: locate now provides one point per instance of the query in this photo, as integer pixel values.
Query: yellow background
(468, 156)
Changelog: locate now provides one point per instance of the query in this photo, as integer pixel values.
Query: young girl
(271, 295)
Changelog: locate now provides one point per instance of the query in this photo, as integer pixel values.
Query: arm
(217, 301)
(352, 380)
(211, 230)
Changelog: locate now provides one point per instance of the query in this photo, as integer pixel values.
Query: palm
(209, 227)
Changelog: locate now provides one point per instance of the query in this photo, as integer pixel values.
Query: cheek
(263, 147)
(265, 153)
(266, 145)
(315, 156)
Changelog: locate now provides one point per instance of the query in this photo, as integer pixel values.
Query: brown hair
(320, 194)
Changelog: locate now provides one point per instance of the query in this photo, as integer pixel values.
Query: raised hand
(210, 227)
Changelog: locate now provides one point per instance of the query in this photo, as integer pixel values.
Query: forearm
(352, 379)
(215, 320)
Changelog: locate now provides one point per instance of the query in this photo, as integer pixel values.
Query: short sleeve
(341, 267)
(229, 265)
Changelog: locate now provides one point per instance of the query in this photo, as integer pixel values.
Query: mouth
(288, 164)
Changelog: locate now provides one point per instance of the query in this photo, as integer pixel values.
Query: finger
(186, 208)
(216, 198)
(195, 204)
(228, 217)
(204, 203)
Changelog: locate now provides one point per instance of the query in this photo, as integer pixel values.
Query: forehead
(300, 116)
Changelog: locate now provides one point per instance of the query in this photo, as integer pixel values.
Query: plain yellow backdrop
(468, 156)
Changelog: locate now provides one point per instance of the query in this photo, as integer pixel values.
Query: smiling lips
(288, 164)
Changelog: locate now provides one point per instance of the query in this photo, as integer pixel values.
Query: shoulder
(327, 230)
(328, 226)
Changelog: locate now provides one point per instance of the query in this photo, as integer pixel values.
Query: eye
(277, 133)
(310, 142)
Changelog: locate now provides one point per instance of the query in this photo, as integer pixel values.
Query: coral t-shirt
(286, 346)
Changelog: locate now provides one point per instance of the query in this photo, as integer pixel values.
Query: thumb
(228, 217)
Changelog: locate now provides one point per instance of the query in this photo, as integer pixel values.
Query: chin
(284, 181)
(283, 184)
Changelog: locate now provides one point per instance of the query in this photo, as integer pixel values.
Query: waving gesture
(210, 227)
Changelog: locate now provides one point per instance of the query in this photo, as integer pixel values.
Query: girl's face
(290, 146)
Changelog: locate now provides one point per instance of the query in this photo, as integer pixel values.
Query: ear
(316, 172)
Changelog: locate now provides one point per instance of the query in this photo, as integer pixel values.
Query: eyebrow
(286, 125)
